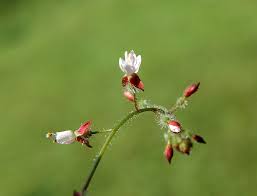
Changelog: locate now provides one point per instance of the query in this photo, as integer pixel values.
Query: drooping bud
(75, 193)
(191, 89)
(185, 146)
(129, 96)
(168, 152)
(198, 139)
(136, 81)
(174, 126)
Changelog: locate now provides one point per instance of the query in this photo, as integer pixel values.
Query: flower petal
(138, 63)
(126, 55)
(131, 58)
(122, 64)
(65, 137)
(128, 69)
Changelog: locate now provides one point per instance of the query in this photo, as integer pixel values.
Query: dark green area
(59, 67)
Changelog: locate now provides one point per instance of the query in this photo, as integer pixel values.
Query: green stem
(108, 141)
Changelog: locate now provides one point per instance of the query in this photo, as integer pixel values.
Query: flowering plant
(176, 136)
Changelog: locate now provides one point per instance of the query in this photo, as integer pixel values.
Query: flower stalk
(108, 141)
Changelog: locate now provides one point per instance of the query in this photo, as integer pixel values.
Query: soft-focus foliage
(59, 67)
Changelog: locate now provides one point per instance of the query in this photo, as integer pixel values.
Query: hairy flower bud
(129, 96)
(185, 146)
(191, 89)
(174, 126)
(198, 139)
(168, 152)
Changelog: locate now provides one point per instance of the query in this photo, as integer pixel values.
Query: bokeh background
(59, 67)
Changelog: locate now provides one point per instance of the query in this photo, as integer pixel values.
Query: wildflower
(174, 126)
(130, 66)
(191, 89)
(68, 137)
(131, 63)
(168, 152)
(129, 96)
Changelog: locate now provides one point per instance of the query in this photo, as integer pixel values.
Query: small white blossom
(131, 63)
(80, 135)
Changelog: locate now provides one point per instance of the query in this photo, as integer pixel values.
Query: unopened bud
(75, 193)
(185, 146)
(124, 81)
(168, 152)
(174, 126)
(198, 139)
(129, 96)
(191, 89)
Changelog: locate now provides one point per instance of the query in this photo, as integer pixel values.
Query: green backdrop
(59, 68)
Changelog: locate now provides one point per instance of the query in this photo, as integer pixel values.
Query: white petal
(129, 69)
(131, 58)
(138, 63)
(65, 137)
(122, 64)
(126, 55)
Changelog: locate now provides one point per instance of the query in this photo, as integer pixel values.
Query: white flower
(131, 63)
(80, 135)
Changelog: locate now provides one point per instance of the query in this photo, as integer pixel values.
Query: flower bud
(168, 152)
(129, 96)
(198, 139)
(124, 81)
(174, 126)
(191, 89)
(75, 193)
(185, 146)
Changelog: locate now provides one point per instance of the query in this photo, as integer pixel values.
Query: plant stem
(108, 140)
(135, 101)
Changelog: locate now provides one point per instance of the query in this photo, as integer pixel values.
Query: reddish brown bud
(135, 81)
(191, 89)
(129, 96)
(75, 193)
(198, 139)
(168, 152)
(124, 81)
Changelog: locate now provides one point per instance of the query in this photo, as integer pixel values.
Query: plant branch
(108, 141)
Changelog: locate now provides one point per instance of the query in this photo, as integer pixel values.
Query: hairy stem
(108, 141)
(135, 101)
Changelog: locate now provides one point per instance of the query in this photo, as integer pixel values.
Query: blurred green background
(59, 68)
